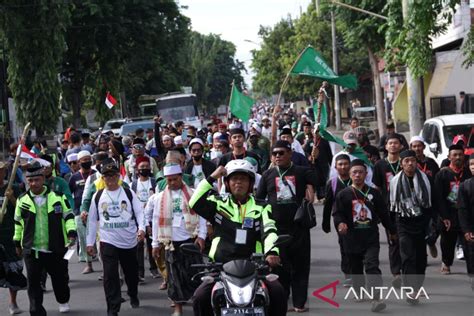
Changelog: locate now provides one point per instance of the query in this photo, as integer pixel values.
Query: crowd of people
(231, 188)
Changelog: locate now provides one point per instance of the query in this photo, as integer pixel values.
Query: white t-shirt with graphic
(198, 174)
(178, 224)
(115, 217)
(144, 191)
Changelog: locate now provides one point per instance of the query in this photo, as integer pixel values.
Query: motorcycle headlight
(241, 296)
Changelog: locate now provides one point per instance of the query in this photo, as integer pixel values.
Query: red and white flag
(110, 100)
(27, 154)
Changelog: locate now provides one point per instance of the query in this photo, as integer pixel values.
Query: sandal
(445, 270)
(301, 310)
(163, 286)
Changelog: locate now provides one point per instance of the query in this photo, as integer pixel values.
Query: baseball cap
(349, 137)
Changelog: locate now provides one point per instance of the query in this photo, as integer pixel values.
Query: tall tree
(122, 46)
(213, 67)
(34, 39)
(409, 41)
(282, 44)
(363, 30)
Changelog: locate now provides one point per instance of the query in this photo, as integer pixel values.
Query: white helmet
(240, 165)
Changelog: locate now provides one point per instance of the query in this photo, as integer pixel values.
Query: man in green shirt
(44, 228)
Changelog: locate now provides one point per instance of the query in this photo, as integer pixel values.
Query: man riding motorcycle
(242, 227)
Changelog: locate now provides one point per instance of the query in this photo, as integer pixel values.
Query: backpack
(130, 199)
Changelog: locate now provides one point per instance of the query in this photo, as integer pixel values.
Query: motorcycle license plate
(251, 311)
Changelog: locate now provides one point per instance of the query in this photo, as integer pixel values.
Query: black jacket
(208, 167)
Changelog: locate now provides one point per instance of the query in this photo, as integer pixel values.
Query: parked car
(114, 125)
(438, 133)
(131, 127)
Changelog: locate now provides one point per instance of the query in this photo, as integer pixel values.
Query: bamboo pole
(14, 169)
(277, 108)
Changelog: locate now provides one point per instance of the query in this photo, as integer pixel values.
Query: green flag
(325, 134)
(312, 64)
(240, 104)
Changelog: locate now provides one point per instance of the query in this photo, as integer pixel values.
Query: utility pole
(337, 103)
(413, 88)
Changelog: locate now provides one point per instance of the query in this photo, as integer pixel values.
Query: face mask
(86, 165)
(144, 172)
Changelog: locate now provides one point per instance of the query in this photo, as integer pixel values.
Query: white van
(438, 133)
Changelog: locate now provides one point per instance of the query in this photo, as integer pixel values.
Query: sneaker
(459, 253)
(154, 274)
(43, 287)
(134, 302)
(64, 308)
(397, 281)
(141, 280)
(347, 283)
(14, 309)
(433, 251)
(377, 306)
(413, 301)
(445, 270)
(101, 277)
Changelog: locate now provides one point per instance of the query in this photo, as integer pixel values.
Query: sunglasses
(278, 153)
(138, 147)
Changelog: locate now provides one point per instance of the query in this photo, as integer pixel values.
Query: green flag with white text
(240, 104)
(312, 64)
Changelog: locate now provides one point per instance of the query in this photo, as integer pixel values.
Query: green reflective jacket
(61, 224)
(230, 220)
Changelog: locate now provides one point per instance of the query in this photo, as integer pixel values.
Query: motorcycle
(239, 287)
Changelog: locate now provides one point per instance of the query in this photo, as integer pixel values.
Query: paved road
(449, 295)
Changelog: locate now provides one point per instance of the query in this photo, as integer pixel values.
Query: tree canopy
(80, 49)
(282, 43)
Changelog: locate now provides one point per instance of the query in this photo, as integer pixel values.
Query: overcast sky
(238, 20)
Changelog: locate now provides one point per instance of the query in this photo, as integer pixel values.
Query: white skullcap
(196, 140)
(217, 135)
(257, 128)
(417, 139)
(171, 170)
(72, 157)
(82, 154)
(178, 140)
(166, 137)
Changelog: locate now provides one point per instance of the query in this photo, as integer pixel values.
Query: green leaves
(409, 41)
(34, 40)
(468, 49)
(282, 43)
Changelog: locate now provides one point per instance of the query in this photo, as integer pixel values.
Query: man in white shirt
(267, 127)
(121, 227)
(173, 224)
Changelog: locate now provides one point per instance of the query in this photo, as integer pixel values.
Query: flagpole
(276, 110)
(230, 99)
(14, 169)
